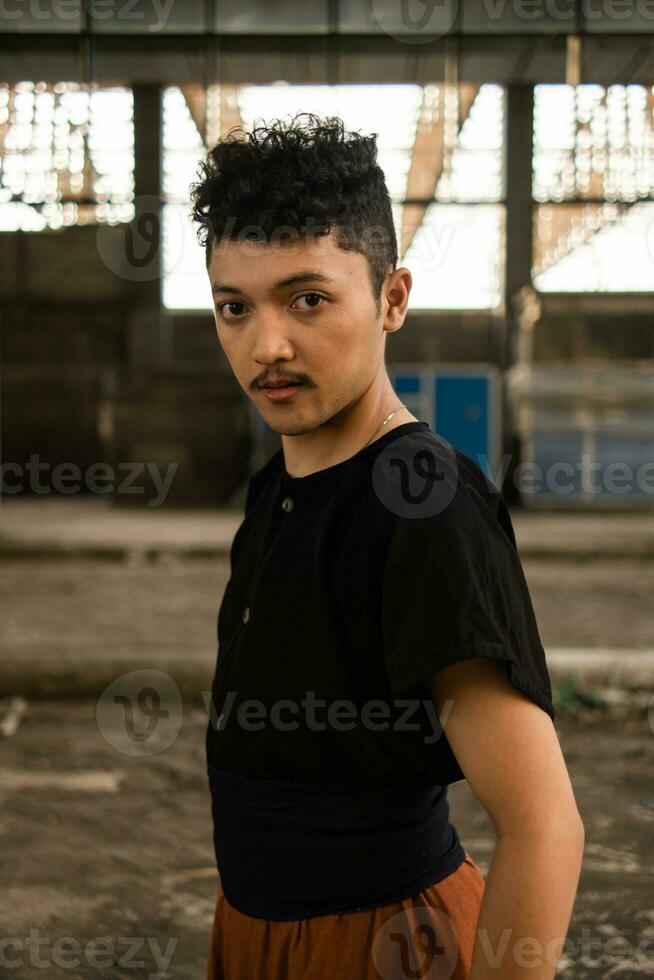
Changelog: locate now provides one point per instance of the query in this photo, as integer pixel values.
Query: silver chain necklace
(382, 424)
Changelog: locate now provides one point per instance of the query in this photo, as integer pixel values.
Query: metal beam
(195, 97)
(208, 59)
(427, 159)
(518, 235)
(568, 217)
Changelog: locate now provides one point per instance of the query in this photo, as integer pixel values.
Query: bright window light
(67, 155)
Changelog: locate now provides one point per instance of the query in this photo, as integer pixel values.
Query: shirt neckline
(300, 482)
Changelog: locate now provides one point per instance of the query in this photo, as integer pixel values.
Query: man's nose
(272, 339)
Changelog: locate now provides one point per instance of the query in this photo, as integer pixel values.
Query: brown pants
(430, 935)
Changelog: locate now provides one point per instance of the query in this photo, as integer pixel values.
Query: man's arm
(509, 752)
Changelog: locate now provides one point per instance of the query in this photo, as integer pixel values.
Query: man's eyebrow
(307, 275)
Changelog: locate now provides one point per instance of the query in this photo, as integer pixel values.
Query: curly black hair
(309, 176)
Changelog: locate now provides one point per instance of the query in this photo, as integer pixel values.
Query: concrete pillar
(518, 149)
(147, 333)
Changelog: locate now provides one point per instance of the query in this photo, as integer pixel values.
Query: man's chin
(291, 428)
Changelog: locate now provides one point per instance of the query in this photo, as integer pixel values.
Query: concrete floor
(71, 626)
(124, 850)
(99, 843)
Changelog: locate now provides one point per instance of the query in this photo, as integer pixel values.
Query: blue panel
(462, 414)
(558, 458)
(560, 475)
(632, 478)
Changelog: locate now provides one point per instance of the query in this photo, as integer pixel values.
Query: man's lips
(278, 392)
(281, 384)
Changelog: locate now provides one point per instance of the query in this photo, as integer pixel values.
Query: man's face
(301, 312)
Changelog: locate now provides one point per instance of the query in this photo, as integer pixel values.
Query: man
(375, 589)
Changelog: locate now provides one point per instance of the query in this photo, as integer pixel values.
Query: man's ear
(396, 291)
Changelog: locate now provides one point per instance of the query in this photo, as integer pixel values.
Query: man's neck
(342, 437)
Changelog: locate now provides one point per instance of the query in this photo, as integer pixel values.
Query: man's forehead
(270, 261)
(279, 245)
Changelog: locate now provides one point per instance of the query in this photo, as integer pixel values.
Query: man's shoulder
(421, 475)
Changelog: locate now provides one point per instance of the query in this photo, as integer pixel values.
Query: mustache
(286, 378)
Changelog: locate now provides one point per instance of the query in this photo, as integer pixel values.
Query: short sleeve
(454, 588)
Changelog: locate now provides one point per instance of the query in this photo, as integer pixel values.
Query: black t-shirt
(353, 585)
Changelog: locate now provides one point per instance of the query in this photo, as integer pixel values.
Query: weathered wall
(92, 375)
(87, 376)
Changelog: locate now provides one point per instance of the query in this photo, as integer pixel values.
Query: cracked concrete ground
(118, 846)
(133, 865)
(70, 627)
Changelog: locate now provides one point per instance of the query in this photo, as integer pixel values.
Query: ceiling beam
(196, 100)
(569, 229)
(428, 156)
(178, 59)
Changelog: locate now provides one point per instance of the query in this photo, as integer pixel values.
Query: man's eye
(233, 313)
(312, 297)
